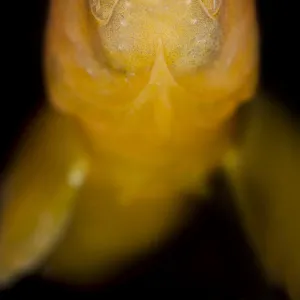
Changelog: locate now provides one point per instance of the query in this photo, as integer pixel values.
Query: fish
(142, 99)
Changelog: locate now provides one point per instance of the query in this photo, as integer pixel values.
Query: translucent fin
(265, 174)
(38, 195)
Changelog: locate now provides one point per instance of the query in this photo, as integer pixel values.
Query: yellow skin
(143, 97)
(264, 172)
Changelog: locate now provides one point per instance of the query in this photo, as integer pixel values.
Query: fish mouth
(131, 30)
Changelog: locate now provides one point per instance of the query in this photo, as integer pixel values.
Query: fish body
(148, 91)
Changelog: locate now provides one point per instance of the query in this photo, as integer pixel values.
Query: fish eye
(211, 7)
(102, 10)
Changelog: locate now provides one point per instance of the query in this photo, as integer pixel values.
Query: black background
(210, 256)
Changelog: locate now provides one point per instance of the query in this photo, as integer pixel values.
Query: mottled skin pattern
(142, 100)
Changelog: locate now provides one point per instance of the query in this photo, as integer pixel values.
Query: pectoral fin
(38, 195)
(265, 176)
